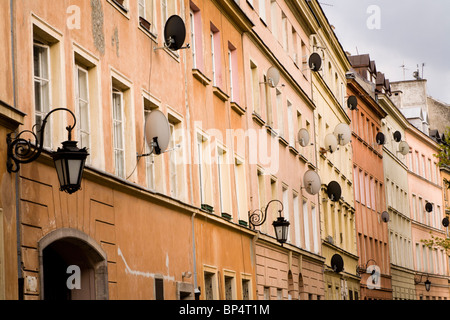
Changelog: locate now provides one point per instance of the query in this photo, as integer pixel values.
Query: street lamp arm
(21, 150)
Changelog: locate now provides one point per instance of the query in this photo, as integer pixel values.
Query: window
(196, 37)
(296, 220)
(280, 113)
(261, 189)
(211, 289)
(306, 225)
(241, 188)
(172, 162)
(216, 64)
(423, 167)
(82, 107)
(168, 8)
(147, 18)
(372, 193)
(255, 88)
(290, 112)
(294, 53)
(266, 293)
(262, 10)
(41, 59)
(204, 169)
(159, 289)
(223, 181)
(367, 190)
(233, 73)
(246, 289)
(416, 162)
(274, 18)
(414, 207)
(118, 132)
(315, 229)
(230, 287)
(268, 96)
(284, 32)
(361, 186)
(286, 208)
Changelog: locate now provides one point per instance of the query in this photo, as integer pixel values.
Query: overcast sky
(405, 32)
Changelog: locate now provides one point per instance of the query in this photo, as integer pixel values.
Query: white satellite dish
(157, 131)
(311, 182)
(303, 137)
(273, 77)
(343, 133)
(403, 148)
(331, 143)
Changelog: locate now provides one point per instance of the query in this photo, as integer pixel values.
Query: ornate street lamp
(281, 225)
(69, 160)
(427, 282)
(427, 285)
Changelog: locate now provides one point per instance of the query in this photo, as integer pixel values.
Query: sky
(396, 33)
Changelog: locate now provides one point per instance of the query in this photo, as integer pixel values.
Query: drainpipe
(196, 290)
(16, 182)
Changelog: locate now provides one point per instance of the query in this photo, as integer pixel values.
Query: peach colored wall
(371, 231)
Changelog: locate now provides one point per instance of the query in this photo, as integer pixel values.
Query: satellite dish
(331, 142)
(352, 103)
(337, 263)
(334, 191)
(445, 222)
(380, 138)
(303, 137)
(157, 131)
(311, 182)
(397, 136)
(315, 61)
(273, 77)
(428, 207)
(343, 133)
(403, 148)
(174, 32)
(385, 216)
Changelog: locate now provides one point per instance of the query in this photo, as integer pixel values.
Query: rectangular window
(284, 33)
(233, 73)
(210, 279)
(274, 18)
(261, 189)
(241, 189)
(372, 193)
(215, 57)
(315, 229)
(306, 225)
(296, 220)
(268, 97)
(223, 181)
(159, 289)
(366, 187)
(294, 53)
(172, 162)
(414, 207)
(361, 186)
(246, 289)
(280, 113)
(230, 287)
(118, 132)
(41, 59)
(147, 18)
(286, 209)
(356, 183)
(262, 10)
(82, 107)
(266, 293)
(290, 112)
(204, 170)
(255, 88)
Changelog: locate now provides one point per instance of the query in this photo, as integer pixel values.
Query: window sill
(124, 11)
(271, 131)
(204, 80)
(294, 151)
(237, 108)
(145, 28)
(220, 94)
(257, 118)
(283, 141)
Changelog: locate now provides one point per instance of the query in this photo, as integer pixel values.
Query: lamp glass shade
(281, 227)
(69, 163)
(427, 285)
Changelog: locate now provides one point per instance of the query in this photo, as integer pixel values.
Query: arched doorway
(73, 267)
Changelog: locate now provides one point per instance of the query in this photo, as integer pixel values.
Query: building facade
(368, 180)
(338, 215)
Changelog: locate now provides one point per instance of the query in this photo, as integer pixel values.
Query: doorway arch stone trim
(94, 251)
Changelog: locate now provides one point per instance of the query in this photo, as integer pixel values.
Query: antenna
(337, 263)
(343, 133)
(303, 137)
(315, 62)
(334, 191)
(174, 34)
(311, 182)
(157, 133)
(403, 148)
(352, 103)
(385, 216)
(331, 144)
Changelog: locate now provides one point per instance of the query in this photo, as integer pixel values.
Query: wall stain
(97, 25)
